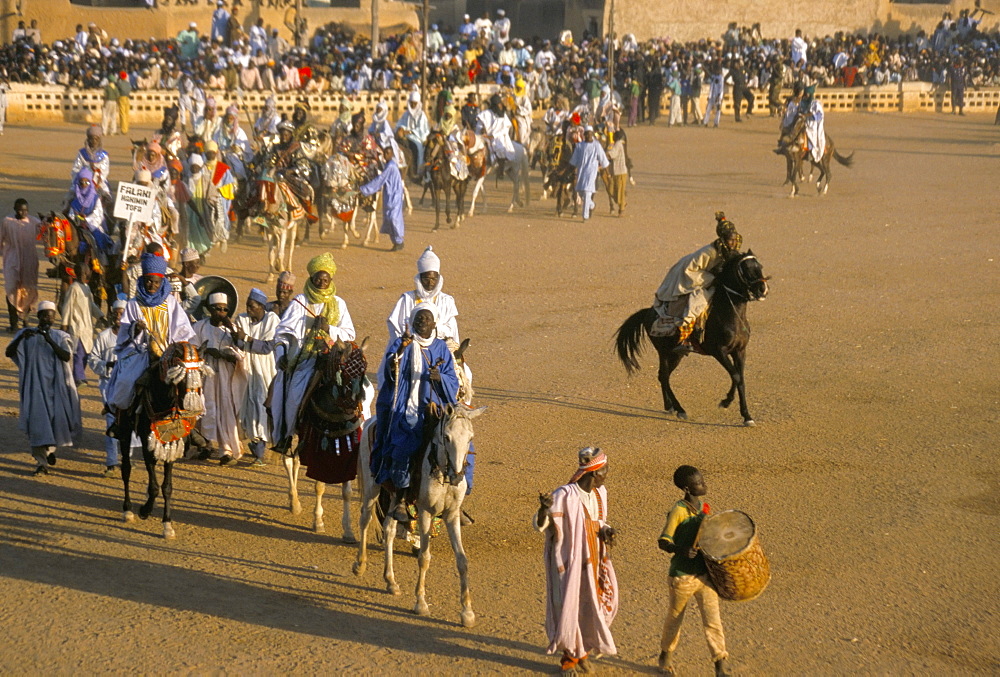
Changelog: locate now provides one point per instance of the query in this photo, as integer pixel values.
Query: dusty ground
(871, 475)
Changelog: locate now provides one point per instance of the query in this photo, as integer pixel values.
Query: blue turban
(258, 296)
(154, 265)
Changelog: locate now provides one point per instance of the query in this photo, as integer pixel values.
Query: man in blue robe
(390, 182)
(418, 379)
(588, 158)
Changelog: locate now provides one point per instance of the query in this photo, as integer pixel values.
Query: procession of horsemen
(183, 374)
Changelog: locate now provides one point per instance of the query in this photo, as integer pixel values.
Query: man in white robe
(685, 293)
(581, 587)
(414, 123)
(102, 361)
(225, 385)
(588, 158)
(314, 316)
(152, 321)
(495, 126)
(49, 403)
(255, 337)
(78, 312)
(815, 129)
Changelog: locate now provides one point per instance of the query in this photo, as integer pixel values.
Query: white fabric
(815, 130)
(497, 129)
(417, 364)
(46, 305)
(224, 388)
(429, 262)
(78, 313)
(218, 297)
(444, 306)
(258, 363)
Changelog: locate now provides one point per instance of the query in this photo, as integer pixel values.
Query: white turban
(188, 254)
(46, 305)
(414, 97)
(120, 303)
(429, 262)
(195, 159)
(218, 298)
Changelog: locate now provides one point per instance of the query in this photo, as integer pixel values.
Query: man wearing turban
(582, 599)
(255, 337)
(684, 295)
(314, 318)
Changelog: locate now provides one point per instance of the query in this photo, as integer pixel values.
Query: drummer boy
(688, 575)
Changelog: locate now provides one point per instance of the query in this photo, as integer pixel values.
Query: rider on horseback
(419, 379)
(494, 124)
(684, 295)
(294, 167)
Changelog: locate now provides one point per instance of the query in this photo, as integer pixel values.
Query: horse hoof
(343, 245)
(421, 609)
(295, 507)
(724, 404)
(319, 528)
(749, 423)
(168, 531)
(359, 568)
(144, 512)
(510, 209)
(682, 416)
(128, 516)
(468, 619)
(392, 589)
(349, 539)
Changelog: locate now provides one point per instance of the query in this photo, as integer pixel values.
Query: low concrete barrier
(40, 105)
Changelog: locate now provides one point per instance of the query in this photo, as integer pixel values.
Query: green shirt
(110, 91)
(680, 531)
(124, 88)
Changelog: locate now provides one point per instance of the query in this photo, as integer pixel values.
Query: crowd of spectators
(333, 59)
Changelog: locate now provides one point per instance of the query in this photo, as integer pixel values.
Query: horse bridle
(449, 472)
(749, 294)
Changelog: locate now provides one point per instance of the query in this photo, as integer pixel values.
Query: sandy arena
(871, 474)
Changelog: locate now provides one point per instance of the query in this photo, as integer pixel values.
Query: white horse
(292, 465)
(442, 491)
(518, 168)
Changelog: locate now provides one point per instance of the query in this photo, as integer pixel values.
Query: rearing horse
(726, 336)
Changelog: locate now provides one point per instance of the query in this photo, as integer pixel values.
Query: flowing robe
(50, 405)
(815, 130)
(397, 438)
(685, 292)
(290, 384)
(224, 390)
(588, 158)
(390, 181)
(582, 589)
(20, 261)
(258, 363)
(447, 322)
(99, 163)
(165, 324)
(497, 129)
(417, 128)
(235, 150)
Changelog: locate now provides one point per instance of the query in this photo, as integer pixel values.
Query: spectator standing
(124, 101)
(956, 77)
(619, 171)
(109, 114)
(3, 105)
(18, 235)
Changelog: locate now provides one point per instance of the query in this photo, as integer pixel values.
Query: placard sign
(134, 202)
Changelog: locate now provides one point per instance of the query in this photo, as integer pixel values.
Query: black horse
(726, 336)
(168, 402)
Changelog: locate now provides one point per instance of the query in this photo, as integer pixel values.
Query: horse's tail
(628, 339)
(847, 160)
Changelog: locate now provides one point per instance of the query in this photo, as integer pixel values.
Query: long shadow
(184, 589)
(585, 404)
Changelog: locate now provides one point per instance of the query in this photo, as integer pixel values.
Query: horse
(338, 199)
(329, 430)
(445, 178)
(441, 492)
(479, 166)
(726, 336)
(518, 166)
(67, 244)
(561, 179)
(279, 214)
(794, 145)
(167, 404)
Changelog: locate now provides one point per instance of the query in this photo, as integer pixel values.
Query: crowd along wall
(57, 19)
(37, 106)
(696, 19)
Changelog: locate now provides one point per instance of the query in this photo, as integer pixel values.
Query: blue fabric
(151, 300)
(153, 265)
(470, 466)
(396, 442)
(84, 199)
(390, 182)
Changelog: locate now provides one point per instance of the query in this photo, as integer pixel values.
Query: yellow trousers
(123, 107)
(682, 589)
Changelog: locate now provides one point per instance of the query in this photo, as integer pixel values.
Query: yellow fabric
(322, 262)
(331, 309)
(157, 326)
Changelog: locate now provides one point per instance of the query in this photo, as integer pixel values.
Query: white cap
(414, 97)
(195, 159)
(46, 305)
(218, 298)
(120, 303)
(188, 254)
(429, 262)
(192, 25)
